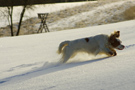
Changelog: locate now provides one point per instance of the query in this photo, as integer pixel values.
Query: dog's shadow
(48, 68)
(79, 63)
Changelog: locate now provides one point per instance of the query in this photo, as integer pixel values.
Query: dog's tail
(62, 46)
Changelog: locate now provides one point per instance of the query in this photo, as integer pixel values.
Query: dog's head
(115, 41)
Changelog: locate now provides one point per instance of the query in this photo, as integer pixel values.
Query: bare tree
(10, 18)
(9, 14)
(25, 6)
(21, 18)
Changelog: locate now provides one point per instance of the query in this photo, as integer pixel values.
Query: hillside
(79, 15)
(30, 62)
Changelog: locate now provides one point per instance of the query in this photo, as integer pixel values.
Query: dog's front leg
(109, 52)
(114, 52)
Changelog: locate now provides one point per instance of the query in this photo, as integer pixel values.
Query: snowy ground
(31, 62)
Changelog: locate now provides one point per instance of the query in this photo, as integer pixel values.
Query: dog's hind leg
(65, 58)
(67, 54)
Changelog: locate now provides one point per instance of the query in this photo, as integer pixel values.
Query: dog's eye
(114, 41)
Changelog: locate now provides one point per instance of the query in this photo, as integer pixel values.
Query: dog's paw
(112, 53)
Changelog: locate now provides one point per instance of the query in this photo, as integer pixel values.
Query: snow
(30, 62)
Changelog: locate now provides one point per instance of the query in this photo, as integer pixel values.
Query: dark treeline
(32, 2)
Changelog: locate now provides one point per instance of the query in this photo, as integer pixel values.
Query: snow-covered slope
(31, 62)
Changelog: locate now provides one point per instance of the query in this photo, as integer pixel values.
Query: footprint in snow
(22, 66)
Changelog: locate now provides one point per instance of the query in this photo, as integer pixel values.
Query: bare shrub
(130, 13)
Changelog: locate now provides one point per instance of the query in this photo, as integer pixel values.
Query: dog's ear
(114, 35)
(117, 34)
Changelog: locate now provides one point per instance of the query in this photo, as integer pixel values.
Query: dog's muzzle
(120, 47)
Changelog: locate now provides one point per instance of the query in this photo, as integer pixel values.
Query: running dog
(99, 44)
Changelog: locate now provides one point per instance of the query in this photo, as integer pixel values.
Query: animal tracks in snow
(24, 66)
(129, 46)
(33, 70)
(48, 67)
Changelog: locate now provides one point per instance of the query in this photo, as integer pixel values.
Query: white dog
(99, 44)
